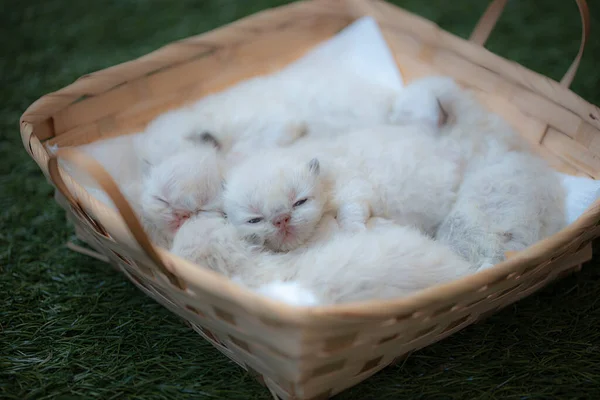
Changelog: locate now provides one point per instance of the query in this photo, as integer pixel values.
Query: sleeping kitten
(276, 198)
(171, 192)
(169, 134)
(384, 261)
(174, 190)
(233, 121)
(271, 111)
(509, 197)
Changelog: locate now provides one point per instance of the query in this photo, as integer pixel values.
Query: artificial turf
(71, 327)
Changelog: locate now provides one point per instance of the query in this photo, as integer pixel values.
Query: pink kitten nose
(282, 220)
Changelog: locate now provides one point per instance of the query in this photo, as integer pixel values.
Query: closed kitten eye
(300, 202)
(255, 220)
(161, 200)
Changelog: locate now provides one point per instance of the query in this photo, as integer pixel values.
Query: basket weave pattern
(312, 353)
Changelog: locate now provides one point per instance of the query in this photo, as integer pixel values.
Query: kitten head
(182, 185)
(177, 131)
(276, 199)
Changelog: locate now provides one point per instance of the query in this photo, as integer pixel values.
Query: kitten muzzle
(180, 218)
(281, 222)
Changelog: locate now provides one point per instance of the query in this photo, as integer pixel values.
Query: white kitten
(234, 121)
(272, 111)
(383, 261)
(460, 118)
(276, 198)
(167, 135)
(167, 193)
(179, 187)
(509, 198)
(253, 114)
(278, 206)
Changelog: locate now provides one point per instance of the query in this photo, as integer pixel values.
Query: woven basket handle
(490, 17)
(106, 182)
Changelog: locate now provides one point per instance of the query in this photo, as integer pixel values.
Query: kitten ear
(443, 118)
(162, 200)
(204, 138)
(314, 166)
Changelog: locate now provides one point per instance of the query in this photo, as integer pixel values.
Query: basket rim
(35, 114)
(221, 286)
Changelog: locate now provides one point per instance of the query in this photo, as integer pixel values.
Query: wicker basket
(317, 352)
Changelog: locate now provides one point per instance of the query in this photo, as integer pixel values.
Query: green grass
(71, 327)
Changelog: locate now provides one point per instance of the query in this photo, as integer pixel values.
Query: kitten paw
(289, 292)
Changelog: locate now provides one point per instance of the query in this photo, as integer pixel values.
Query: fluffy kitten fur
(176, 189)
(383, 261)
(509, 198)
(117, 156)
(169, 193)
(273, 111)
(276, 198)
(235, 118)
